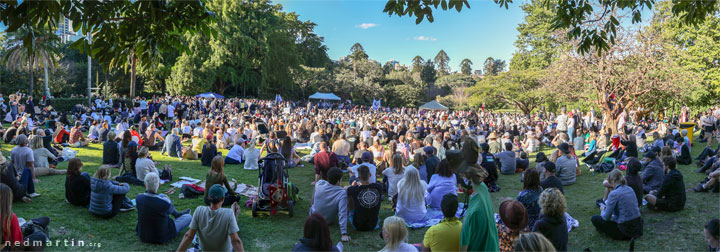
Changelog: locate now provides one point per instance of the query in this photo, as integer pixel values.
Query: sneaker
(33, 195)
(700, 188)
(127, 209)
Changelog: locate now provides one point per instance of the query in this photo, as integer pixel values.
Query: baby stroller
(276, 192)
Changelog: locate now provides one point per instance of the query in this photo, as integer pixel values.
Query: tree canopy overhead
(579, 18)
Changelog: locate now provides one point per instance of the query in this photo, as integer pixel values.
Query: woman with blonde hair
(552, 223)
(42, 156)
(620, 216)
(216, 175)
(107, 197)
(395, 235)
(533, 242)
(411, 196)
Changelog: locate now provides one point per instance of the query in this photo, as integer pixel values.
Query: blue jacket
(101, 195)
(172, 146)
(621, 205)
(652, 176)
(154, 224)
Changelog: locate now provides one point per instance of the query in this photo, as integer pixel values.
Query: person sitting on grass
(712, 235)
(533, 242)
(10, 232)
(365, 205)
(395, 235)
(411, 196)
(710, 183)
(324, 160)
(552, 223)
(329, 199)
(367, 159)
(216, 175)
(441, 183)
(684, 157)
(507, 160)
(24, 162)
(41, 155)
(316, 236)
(671, 195)
(77, 139)
(107, 198)
(111, 151)
(209, 151)
(620, 215)
(215, 227)
(9, 178)
(550, 180)
(393, 176)
(530, 194)
(144, 164)
(633, 179)
(251, 156)
(514, 219)
(445, 236)
(77, 184)
(235, 155)
(153, 221)
(652, 175)
(566, 165)
(172, 146)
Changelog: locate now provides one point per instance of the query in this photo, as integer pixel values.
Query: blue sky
(484, 30)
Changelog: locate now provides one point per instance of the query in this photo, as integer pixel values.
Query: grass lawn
(662, 231)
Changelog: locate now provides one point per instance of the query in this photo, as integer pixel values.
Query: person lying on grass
(216, 227)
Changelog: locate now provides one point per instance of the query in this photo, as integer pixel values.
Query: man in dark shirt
(431, 161)
(323, 160)
(366, 198)
(671, 196)
(550, 180)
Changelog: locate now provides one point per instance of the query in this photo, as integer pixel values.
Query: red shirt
(60, 135)
(14, 235)
(134, 133)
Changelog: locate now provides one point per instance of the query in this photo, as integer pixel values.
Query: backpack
(191, 191)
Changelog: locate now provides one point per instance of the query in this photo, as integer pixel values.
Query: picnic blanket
(185, 180)
(432, 217)
(571, 222)
(247, 190)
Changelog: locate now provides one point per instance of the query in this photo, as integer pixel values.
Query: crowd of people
(413, 160)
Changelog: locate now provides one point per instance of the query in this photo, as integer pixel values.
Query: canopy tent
(433, 105)
(325, 96)
(210, 95)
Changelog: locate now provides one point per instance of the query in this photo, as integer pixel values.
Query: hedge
(66, 104)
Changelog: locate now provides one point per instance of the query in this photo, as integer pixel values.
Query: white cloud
(424, 38)
(366, 26)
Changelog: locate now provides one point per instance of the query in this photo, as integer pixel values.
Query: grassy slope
(663, 231)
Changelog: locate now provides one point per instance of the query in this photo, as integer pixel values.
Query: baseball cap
(367, 156)
(217, 192)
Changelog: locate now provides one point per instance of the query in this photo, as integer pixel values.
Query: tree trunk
(31, 63)
(46, 91)
(610, 121)
(132, 76)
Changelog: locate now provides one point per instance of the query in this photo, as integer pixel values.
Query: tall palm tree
(40, 50)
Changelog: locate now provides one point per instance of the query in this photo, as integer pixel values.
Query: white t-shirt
(372, 168)
(171, 111)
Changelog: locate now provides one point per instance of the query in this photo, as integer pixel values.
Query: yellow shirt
(445, 236)
(198, 144)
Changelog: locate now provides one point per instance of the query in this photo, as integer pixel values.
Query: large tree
(417, 63)
(634, 73)
(41, 51)
(428, 72)
(493, 67)
(537, 44)
(442, 63)
(578, 18)
(466, 66)
(357, 54)
(124, 33)
(521, 89)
